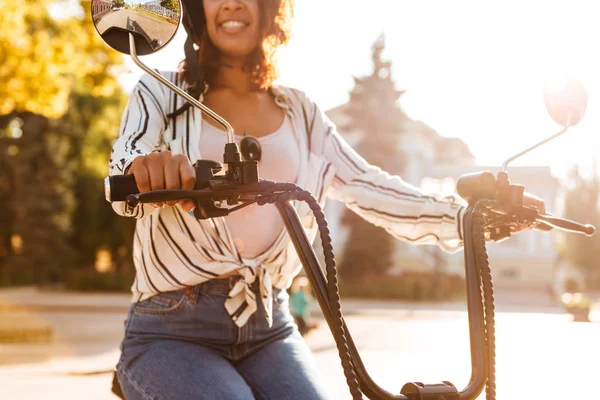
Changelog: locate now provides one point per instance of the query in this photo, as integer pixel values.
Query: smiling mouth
(233, 26)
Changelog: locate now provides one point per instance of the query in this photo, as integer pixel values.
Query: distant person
(209, 318)
(299, 304)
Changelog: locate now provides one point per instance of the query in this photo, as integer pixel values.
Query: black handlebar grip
(119, 187)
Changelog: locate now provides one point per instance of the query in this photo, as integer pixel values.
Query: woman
(210, 316)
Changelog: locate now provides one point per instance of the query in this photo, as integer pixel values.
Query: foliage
(42, 58)
(373, 109)
(93, 123)
(38, 200)
(172, 5)
(581, 204)
(60, 86)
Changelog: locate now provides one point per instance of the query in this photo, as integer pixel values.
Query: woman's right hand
(164, 170)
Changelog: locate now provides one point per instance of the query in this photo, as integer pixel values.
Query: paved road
(537, 352)
(153, 28)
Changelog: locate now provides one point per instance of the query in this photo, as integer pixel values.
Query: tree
(172, 5)
(373, 108)
(95, 122)
(44, 61)
(581, 204)
(42, 58)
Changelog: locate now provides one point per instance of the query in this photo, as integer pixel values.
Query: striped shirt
(173, 250)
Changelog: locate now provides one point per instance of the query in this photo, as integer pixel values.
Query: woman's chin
(235, 54)
(240, 47)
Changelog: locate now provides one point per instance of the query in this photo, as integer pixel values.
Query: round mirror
(566, 102)
(152, 23)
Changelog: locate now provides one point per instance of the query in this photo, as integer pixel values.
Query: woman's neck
(233, 77)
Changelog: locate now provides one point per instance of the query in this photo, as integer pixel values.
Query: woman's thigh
(173, 369)
(284, 370)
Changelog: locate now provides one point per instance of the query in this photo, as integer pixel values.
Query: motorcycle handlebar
(118, 187)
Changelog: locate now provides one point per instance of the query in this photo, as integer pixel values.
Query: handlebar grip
(118, 187)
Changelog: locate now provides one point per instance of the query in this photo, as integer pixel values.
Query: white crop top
(255, 228)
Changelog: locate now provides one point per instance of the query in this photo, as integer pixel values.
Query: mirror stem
(214, 116)
(535, 146)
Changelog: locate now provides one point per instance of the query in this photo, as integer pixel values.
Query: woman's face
(233, 26)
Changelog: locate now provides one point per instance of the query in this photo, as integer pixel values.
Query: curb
(29, 335)
(84, 308)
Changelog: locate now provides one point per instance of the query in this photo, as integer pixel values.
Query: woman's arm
(385, 200)
(142, 125)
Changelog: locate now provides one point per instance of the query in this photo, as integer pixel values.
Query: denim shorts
(184, 345)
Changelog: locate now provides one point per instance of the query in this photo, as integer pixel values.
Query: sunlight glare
(470, 70)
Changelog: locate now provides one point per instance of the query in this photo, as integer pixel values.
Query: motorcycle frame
(318, 282)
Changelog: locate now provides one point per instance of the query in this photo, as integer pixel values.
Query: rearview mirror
(140, 29)
(153, 24)
(566, 102)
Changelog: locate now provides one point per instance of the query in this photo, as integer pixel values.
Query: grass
(157, 16)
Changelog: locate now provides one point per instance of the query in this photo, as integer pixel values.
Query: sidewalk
(89, 327)
(32, 298)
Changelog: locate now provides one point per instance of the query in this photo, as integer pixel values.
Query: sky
(470, 69)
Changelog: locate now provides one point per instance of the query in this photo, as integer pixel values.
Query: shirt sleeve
(142, 125)
(385, 200)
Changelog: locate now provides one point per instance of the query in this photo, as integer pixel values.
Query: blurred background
(426, 90)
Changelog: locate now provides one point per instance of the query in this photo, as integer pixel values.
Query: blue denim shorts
(184, 345)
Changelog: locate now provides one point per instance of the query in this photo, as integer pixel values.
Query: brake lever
(504, 219)
(566, 224)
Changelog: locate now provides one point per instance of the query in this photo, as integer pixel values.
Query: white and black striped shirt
(173, 250)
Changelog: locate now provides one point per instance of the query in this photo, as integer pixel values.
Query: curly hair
(276, 20)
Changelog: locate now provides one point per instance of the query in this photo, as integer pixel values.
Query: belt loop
(199, 289)
(188, 293)
(231, 282)
(192, 293)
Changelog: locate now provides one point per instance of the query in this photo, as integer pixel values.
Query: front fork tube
(318, 281)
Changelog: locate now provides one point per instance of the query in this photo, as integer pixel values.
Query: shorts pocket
(161, 304)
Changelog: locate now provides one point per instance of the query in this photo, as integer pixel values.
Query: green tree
(581, 204)
(172, 5)
(373, 109)
(45, 61)
(42, 58)
(94, 122)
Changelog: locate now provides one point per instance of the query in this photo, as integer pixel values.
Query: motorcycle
(495, 209)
